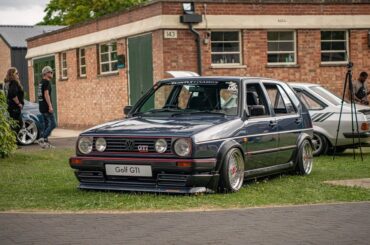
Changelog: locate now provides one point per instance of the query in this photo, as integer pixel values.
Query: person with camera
(360, 90)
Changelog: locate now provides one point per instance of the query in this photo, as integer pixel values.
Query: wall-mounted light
(188, 8)
(189, 14)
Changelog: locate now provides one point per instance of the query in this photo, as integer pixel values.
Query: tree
(7, 135)
(69, 12)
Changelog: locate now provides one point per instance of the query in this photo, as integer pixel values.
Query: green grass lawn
(44, 181)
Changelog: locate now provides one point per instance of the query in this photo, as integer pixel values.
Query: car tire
(232, 172)
(28, 133)
(304, 159)
(321, 145)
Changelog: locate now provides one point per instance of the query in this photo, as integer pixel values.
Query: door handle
(298, 120)
(272, 124)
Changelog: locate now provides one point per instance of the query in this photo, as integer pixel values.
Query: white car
(324, 108)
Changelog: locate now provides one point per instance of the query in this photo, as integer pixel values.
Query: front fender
(224, 148)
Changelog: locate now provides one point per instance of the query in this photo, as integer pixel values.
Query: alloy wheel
(28, 134)
(236, 170)
(307, 157)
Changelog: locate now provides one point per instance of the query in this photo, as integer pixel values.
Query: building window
(108, 58)
(63, 65)
(334, 46)
(225, 47)
(82, 62)
(281, 47)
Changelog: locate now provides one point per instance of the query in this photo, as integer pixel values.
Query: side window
(308, 101)
(256, 101)
(279, 99)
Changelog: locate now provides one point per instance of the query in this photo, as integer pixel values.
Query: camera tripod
(348, 81)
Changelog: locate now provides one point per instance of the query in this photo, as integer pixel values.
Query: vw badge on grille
(130, 145)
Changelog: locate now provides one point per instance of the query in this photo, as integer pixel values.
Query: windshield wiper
(163, 110)
(138, 113)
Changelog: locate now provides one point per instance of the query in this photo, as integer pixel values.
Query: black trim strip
(323, 119)
(271, 150)
(313, 117)
(260, 171)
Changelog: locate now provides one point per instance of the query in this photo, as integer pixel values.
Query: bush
(8, 140)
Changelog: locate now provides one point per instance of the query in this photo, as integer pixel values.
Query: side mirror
(257, 110)
(127, 109)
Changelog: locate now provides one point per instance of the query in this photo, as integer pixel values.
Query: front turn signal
(75, 161)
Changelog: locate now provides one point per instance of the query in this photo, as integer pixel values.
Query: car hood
(31, 108)
(167, 127)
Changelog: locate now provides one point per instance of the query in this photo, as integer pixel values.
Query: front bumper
(167, 176)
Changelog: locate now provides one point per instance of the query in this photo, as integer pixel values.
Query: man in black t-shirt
(45, 106)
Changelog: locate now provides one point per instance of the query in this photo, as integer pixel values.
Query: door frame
(41, 59)
(128, 63)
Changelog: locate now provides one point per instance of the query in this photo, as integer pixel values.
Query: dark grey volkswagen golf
(198, 134)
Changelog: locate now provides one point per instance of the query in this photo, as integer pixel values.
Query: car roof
(217, 78)
(303, 84)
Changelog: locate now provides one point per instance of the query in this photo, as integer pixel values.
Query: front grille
(90, 176)
(172, 180)
(116, 144)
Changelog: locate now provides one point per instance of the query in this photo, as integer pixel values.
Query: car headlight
(100, 144)
(182, 147)
(85, 145)
(161, 145)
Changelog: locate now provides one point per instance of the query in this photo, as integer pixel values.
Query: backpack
(361, 93)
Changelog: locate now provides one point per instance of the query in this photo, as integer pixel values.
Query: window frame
(346, 51)
(312, 97)
(80, 66)
(110, 61)
(62, 67)
(265, 101)
(281, 52)
(280, 91)
(240, 49)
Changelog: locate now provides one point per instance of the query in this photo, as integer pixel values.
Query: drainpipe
(199, 50)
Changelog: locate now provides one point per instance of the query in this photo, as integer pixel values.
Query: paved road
(316, 224)
(59, 143)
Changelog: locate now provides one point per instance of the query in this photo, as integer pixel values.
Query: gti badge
(142, 148)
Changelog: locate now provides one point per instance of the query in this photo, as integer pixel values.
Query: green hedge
(8, 138)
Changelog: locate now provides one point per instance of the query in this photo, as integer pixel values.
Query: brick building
(105, 64)
(13, 48)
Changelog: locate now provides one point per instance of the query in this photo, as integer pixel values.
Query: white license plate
(128, 170)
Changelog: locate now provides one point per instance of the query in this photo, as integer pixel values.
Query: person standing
(46, 106)
(360, 91)
(15, 97)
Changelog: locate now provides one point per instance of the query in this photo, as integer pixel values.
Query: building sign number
(170, 34)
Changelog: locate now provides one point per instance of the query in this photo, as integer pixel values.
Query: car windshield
(180, 98)
(326, 94)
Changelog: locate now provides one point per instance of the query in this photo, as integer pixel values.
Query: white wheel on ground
(28, 133)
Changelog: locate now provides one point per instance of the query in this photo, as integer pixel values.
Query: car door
(289, 121)
(260, 128)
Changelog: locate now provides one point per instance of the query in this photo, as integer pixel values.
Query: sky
(21, 12)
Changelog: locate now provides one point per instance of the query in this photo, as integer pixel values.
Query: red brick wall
(92, 100)
(158, 55)
(99, 98)
(175, 8)
(308, 68)
(5, 60)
